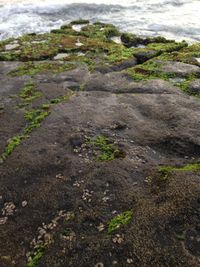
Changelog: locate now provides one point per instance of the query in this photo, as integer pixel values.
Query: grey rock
(179, 69)
(194, 86)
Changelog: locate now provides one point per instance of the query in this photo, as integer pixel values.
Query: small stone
(61, 56)
(99, 264)
(77, 27)
(47, 238)
(101, 227)
(24, 203)
(116, 39)
(42, 232)
(3, 220)
(8, 208)
(79, 44)
(11, 47)
(129, 261)
(118, 239)
(105, 199)
(60, 176)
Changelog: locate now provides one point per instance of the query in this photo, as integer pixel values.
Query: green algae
(167, 47)
(149, 70)
(12, 144)
(100, 31)
(120, 220)
(34, 118)
(36, 257)
(79, 21)
(33, 68)
(107, 149)
(166, 171)
(28, 93)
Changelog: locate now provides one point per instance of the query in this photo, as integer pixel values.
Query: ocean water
(173, 19)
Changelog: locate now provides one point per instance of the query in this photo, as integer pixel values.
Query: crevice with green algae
(34, 118)
(28, 93)
(166, 171)
(33, 68)
(36, 257)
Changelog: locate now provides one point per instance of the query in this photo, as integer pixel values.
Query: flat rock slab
(55, 188)
(117, 82)
(179, 69)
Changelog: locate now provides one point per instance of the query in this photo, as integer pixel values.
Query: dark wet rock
(144, 55)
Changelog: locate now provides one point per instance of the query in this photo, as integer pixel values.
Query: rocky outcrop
(99, 151)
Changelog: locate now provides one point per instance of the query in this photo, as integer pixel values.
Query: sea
(173, 19)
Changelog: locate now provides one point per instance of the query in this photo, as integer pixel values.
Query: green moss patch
(33, 68)
(28, 93)
(148, 71)
(36, 257)
(120, 220)
(34, 118)
(105, 148)
(166, 171)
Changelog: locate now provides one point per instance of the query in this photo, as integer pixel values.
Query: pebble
(8, 208)
(78, 43)
(11, 47)
(129, 261)
(60, 176)
(78, 27)
(105, 199)
(101, 227)
(116, 39)
(118, 239)
(3, 220)
(61, 56)
(99, 264)
(24, 203)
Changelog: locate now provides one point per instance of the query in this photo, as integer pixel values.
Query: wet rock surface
(99, 160)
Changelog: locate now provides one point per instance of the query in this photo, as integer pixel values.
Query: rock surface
(98, 144)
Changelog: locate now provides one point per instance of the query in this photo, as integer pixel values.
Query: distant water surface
(174, 19)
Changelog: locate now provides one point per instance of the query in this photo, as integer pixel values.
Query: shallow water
(174, 19)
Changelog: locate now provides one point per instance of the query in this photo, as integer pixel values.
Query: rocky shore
(99, 149)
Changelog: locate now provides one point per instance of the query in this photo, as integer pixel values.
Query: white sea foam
(176, 19)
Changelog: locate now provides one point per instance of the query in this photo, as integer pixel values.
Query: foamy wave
(176, 19)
